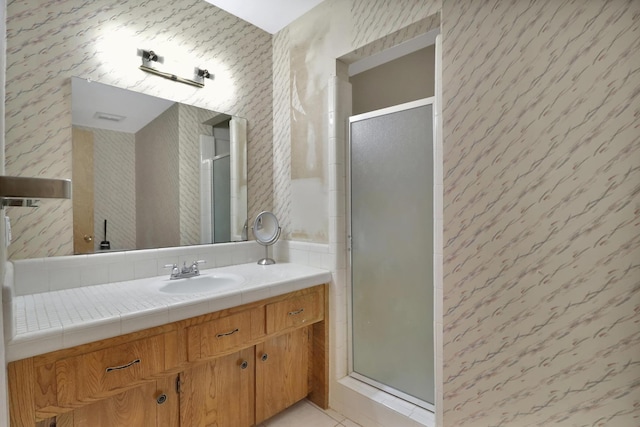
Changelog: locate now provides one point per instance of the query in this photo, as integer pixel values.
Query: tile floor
(306, 414)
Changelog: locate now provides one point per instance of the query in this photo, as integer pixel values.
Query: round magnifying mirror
(267, 231)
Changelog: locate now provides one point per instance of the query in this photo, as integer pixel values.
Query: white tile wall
(313, 254)
(120, 272)
(33, 276)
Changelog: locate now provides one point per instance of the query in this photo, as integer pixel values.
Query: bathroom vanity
(236, 366)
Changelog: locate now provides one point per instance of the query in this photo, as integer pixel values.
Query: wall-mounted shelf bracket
(27, 192)
(23, 203)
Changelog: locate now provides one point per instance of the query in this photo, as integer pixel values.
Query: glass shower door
(391, 228)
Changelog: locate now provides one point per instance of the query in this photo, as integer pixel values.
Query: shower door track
(393, 391)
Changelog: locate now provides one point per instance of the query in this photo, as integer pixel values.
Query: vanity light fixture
(201, 74)
(150, 59)
(152, 56)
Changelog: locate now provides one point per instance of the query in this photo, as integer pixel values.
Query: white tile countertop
(55, 320)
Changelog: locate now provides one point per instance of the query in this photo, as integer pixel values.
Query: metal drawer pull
(161, 399)
(228, 333)
(117, 368)
(293, 313)
(264, 357)
(244, 365)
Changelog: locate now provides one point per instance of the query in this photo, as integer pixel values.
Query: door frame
(83, 181)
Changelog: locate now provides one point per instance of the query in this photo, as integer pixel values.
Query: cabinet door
(219, 393)
(282, 372)
(154, 404)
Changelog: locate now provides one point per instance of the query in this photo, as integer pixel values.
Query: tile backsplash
(36, 275)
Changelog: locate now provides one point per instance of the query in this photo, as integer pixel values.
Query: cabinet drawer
(294, 312)
(227, 333)
(105, 372)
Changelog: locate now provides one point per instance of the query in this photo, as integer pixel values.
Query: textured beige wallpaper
(190, 129)
(114, 181)
(172, 142)
(541, 205)
(49, 42)
(158, 182)
(541, 213)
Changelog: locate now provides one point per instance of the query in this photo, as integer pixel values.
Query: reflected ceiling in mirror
(151, 173)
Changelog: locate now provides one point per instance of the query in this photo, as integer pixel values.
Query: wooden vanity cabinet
(282, 372)
(101, 373)
(245, 388)
(219, 392)
(235, 367)
(153, 404)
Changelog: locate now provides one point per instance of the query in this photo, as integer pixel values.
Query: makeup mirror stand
(267, 231)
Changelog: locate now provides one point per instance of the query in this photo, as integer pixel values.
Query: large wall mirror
(154, 173)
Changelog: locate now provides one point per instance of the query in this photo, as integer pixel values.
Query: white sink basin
(204, 283)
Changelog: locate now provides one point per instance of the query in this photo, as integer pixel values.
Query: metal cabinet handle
(264, 357)
(88, 238)
(296, 312)
(226, 334)
(128, 365)
(244, 364)
(161, 399)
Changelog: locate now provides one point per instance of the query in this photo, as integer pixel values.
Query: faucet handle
(194, 266)
(175, 272)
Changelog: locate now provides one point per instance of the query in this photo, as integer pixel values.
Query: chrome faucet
(184, 272)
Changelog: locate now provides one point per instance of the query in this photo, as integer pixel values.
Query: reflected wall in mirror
(101, 47)
(160, 173)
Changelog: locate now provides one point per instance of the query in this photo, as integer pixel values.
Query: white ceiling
(270, 15)
(90, 98)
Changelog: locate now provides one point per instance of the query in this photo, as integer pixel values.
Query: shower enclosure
(223, 186)
(391, 246)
